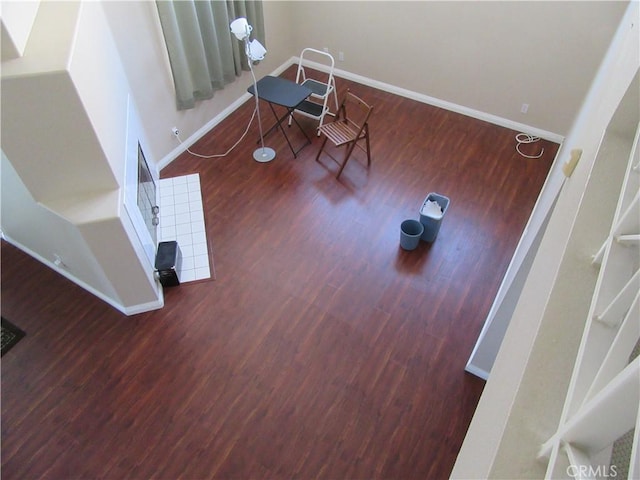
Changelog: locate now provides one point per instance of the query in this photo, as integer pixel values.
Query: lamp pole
(242, 30)
(264, 154)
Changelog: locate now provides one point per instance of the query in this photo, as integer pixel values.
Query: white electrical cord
(525, 138)
(228, 151)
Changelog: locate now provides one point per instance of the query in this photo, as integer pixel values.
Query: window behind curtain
(203, 54)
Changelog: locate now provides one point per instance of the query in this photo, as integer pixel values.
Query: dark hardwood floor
(320, 350)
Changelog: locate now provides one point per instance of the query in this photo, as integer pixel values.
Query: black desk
(283, 92)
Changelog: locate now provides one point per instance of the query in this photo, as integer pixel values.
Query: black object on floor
(168, 263)
(10, 335)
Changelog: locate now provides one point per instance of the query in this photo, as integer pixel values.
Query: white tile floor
(182, 219)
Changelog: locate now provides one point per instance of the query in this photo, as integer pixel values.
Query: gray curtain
(204, 54)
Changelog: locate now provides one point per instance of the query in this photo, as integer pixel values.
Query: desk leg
(278, 124)
(300, 127)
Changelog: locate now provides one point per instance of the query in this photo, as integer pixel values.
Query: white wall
(487, 56)
(46, 234)
(16, 20)
(64, 134)
(93, 254)
(455, 51)
(46, 166)
(138, 36)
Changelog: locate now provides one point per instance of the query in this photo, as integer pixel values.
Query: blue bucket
(410, 233)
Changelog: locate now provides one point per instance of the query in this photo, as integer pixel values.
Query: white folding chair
(322, 85)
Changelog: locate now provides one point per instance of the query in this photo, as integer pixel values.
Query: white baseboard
(436, 102)
(144, 307)
(419, 97)
(180, 149)
(176, 152)
(478, 372)
(132, 310)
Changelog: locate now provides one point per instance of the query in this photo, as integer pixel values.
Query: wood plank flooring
(321, 349)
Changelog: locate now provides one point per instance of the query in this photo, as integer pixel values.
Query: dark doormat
(10, 335)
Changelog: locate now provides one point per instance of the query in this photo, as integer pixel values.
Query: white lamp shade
(255, 50)
(241, 28)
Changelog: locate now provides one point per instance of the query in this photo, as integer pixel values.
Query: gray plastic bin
(410, 232)
(432, 222)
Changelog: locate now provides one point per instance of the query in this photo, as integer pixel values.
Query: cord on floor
(525, 139)
(228, 151)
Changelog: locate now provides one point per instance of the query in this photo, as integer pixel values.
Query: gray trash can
(430, 218)
(410, 232)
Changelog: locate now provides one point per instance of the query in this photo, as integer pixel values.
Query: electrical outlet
(341, 56)
(175, 131)
(524, 108)
(58, 261)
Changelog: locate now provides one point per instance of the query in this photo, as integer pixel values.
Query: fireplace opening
(146, 198)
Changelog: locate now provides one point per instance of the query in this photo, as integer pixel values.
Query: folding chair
(350, 126)
(323, 86)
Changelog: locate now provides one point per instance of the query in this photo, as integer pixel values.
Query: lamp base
(264, 154)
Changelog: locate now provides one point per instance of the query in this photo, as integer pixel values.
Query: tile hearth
(182, 219)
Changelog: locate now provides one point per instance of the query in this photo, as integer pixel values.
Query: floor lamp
(255, 51)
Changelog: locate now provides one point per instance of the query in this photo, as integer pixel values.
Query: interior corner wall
(111, 244)
(64, 157)
(488, 56)
(136, 29)
(75, 163)
(95, 255)
(491, 57)
(16, 20)
(23, 222)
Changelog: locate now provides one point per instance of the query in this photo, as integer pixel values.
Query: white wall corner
(114, 302)
(528, 354)
(16, 21)
(469, 112)
(206, 128)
